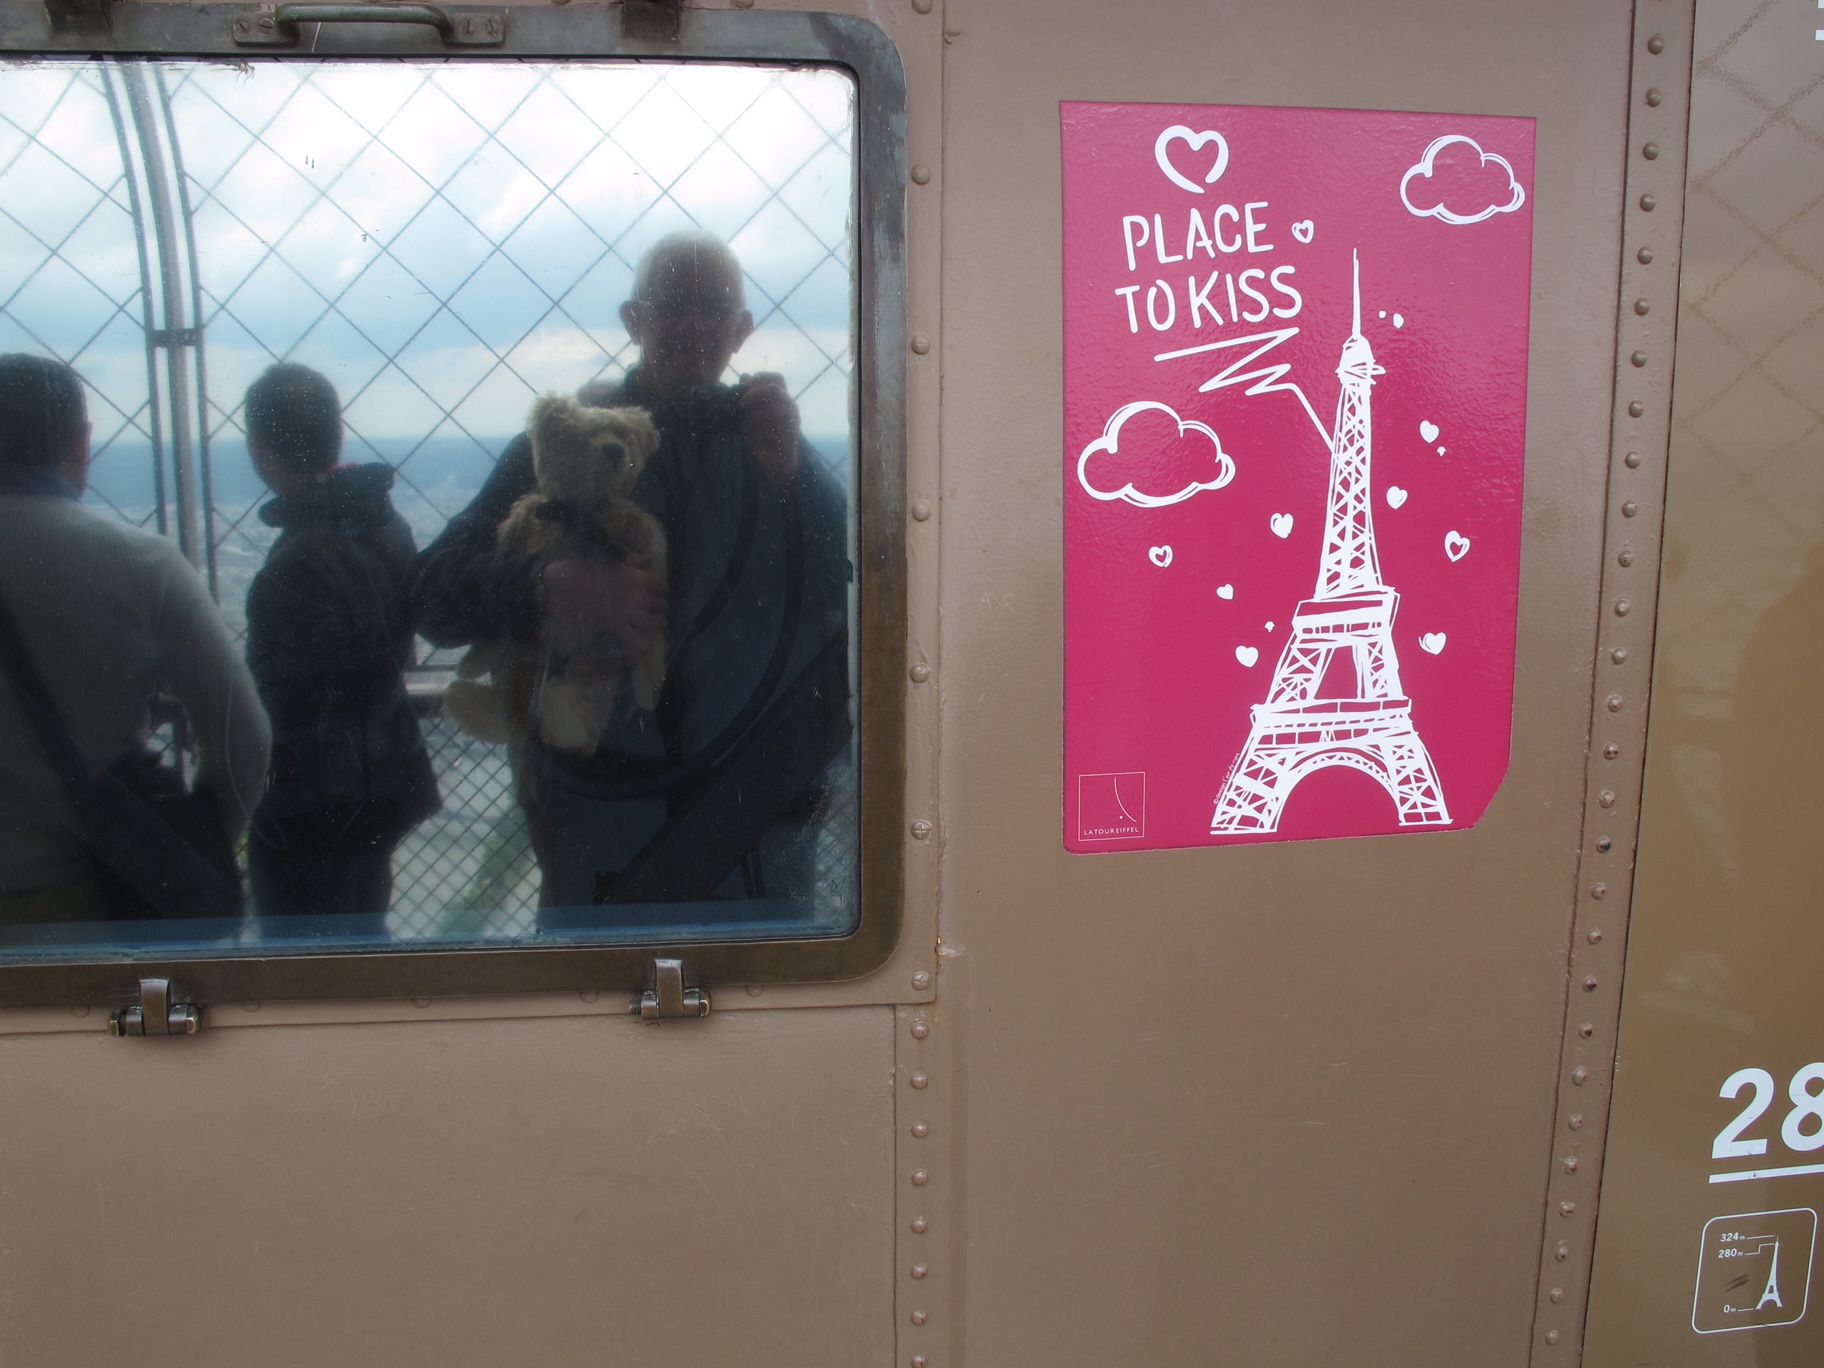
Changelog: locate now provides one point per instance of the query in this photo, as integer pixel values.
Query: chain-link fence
(445, 241)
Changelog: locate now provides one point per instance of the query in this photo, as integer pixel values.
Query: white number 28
(1806, 1092)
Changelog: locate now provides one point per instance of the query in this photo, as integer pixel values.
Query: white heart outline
(1280, 524)
(1249, 656)
(1309, 227)
(1161, 560)
(1432, 643)
(1460, 550)
(1197, 141)
(1396, 497)
(1429, 430)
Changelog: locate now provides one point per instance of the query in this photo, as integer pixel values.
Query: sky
(444, 239)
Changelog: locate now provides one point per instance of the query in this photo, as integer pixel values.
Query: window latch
(668, 997)
(278, 26)
(156, 1014)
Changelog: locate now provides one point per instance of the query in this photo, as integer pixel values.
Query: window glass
(459, 549)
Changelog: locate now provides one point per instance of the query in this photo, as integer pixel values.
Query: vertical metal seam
(1659, 83)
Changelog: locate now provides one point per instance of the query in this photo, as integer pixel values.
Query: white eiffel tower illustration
(1369, 727)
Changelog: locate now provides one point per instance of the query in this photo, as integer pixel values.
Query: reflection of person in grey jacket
(111, 615)
(754, 603)
(326, 641)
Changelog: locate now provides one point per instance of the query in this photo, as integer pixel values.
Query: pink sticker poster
(1295, 430)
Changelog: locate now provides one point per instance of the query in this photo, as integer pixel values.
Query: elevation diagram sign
(1294, 445)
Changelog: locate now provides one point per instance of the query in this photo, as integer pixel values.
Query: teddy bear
(586, 460)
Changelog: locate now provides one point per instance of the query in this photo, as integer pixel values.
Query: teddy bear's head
(584, 453)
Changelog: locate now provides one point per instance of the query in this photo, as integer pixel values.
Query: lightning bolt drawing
(1266, 379)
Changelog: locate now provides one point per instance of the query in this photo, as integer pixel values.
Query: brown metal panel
(1726, 943)
(1281, 1104)
(452, 1193)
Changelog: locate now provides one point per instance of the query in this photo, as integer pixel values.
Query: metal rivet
(755, 989)
(920, 1225)
(920, 1177)
(920, 1271)
(421, 1002)
(1556, 1294)
(1654, 97)
(1576, 1122)
(1570, 1166)
(266, 23)
(921, 830)
(1589, 984)
(1644, 256)
(920, 672)
(1603, 843)
(920, 1316)
(1551, 1337)
(921, 980)
(920, 343)
(1629, 508)
(1655, 44)
(1648, 203)
(921, 509)
(917, 1361)
(1636, 408)
(1594, 935)
(744, 4)
(1562, 1253)
(589, 995)
(920, 1029)
(1567, 1208)
(245, 1007)
(920, 1079)
(1586, 1030)
(1650, 151)
(1619, 655)
(1614, 702)
(1632, 460)
(1622, 607)
(1599, 890)
(921, 174)
(1643, 307)
(922, 6)
(1610, 751)
(1580, 1075)
(920, 1129)
(1625, 559)
(1639, 358)
(81, 1009)
(1606, 798)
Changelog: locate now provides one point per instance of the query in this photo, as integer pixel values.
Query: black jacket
(327, 639)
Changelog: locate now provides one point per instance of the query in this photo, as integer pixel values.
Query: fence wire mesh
(444, 241)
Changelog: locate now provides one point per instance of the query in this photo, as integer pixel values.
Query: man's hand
(602, 611)
(769, 425)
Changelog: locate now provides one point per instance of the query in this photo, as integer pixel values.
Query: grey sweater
(112, 615)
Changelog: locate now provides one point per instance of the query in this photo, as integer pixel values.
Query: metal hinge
(156, 1014)
(655, 21)
(668, 997)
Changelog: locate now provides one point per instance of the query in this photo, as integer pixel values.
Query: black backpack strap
(116, 824)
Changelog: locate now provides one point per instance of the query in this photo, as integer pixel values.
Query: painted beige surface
(1727, 945)
(1284, 1105)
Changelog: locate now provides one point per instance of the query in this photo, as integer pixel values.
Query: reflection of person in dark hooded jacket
(326, 642)
(715, 794)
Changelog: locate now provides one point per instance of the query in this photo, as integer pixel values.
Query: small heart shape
(1303, 230)
(1225, 591)
(1281, 523)
(1456, 545)
(1398, 322)
(1247, 655)
(1395, 496)
(1428, 430)
(1269, 626)
(1160, 556)
(1433, 642)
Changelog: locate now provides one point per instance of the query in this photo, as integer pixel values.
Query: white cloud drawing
(1516, 196)
(1109, 443)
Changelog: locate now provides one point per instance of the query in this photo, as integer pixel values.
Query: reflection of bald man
(755, 593)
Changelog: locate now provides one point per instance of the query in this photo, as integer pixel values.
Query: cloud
(1185, 453)
(1476, 184)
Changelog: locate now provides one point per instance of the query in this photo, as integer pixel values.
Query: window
(469, 551)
